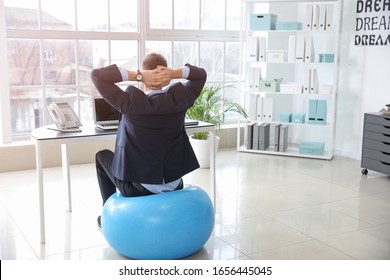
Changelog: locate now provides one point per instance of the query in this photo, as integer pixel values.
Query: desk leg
(41, 196)
(66, 175)
(212, 168)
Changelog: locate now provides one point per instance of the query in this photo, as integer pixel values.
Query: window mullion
(5, 112)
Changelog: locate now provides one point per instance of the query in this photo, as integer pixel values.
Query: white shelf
(291, 152)
(264, 94)
(324, 41)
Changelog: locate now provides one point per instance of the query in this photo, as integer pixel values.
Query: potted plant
(388, 107)
(210, 107)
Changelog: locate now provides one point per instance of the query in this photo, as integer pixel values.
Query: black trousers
(108, 183)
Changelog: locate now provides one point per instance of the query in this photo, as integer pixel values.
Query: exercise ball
(170, 225)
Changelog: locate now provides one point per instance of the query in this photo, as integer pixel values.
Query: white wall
(364, 84)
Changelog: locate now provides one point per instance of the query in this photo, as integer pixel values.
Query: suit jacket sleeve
(105, 80)
(180, 96)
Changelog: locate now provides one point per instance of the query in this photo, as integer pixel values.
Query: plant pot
(202, 150)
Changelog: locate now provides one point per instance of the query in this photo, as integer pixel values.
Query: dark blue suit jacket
(152, 144)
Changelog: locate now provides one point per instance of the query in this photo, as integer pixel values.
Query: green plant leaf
(211, 107)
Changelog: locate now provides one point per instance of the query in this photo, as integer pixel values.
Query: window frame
(142, 35)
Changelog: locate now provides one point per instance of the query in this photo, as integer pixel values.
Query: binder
(268, 104)
(321, 112)
(252, 111)
(262, 49)
(249, 135)
(322, 17)
(309, 17)
(316, 14)
(291, 48)
(256, 78)
(255, 136)
(313, 81)
(277, 138)
(306, 83)
(264, 136)
(300, 49)
(251, 79)
(312, 114)
(283, 138)
(253, 48)
(309, 50)
(259, 114)
(329, 17)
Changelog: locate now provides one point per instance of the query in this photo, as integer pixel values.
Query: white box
(325, 89)
(291, 88)
(277, 56)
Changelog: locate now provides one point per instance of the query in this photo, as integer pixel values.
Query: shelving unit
(292, 71)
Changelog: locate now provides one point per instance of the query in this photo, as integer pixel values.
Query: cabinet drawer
(377, 136)
(376, 145)
(376, 165)
(381, 120)
(376, 155)
(377, 128)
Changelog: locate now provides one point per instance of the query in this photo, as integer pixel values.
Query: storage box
(298, 118)
(285, 117)
(288, 25)
(311, 148)
(262, 22)
(270, 85)
(276, 56)
(291, 88)
(325, 89)
(326, 57)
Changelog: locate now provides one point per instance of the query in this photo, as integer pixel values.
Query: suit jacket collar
(154, 92)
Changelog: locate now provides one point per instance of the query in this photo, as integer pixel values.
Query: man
(152, 149)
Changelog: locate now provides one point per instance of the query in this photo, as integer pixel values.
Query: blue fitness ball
(169, 225)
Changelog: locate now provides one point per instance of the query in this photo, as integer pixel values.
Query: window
(53, 46)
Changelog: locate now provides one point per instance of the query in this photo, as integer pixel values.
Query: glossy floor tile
(267, 207)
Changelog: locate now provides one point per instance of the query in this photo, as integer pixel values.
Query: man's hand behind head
(157, 78)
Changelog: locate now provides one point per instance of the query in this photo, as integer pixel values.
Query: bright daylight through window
(53, 45)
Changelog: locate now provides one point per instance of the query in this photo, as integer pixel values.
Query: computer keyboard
(107, 126)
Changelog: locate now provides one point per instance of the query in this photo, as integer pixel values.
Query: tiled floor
(268, 207)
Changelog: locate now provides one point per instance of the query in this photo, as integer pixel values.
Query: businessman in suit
(152, 149)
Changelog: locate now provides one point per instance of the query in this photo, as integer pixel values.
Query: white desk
(44, 136)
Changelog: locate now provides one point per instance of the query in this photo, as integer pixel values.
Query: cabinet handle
(386, 163)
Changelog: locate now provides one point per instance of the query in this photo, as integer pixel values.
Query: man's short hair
(152, 60)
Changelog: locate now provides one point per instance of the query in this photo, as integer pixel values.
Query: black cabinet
(376, 143)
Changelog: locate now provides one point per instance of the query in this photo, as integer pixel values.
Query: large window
(53, 46)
